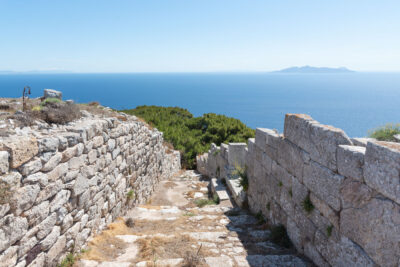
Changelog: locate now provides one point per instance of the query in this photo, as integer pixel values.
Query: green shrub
(242, 173)
(279, 236)
(307, 204)
(130, 194)
(386, 133)
(329, 230)
(204, 202)
(68, 261)
(280, 184)
(290, 192)
(50, 100)
(192, 135)
(268, 206)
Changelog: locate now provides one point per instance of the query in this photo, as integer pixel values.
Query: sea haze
(355, 102)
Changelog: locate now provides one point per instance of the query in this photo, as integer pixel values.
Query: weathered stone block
(55, 251)
(31, 167)
(13, 229)
(24, 198)
(81, 185)
(292, 158)
(9, 257)
(324, 183)
(48, 144)
(51, 93)
(382, 168)
(281, 175)
(325, 210)
(4, 162)
(342, 252)
(21, 149)
(52, 163)
(237, 154)
(372, 222)
(320, 141)
(350, 160)
(58, 172)
(51, 238)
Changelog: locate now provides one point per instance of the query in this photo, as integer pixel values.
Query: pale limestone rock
(24, 198)
(69, 153)
(9, 257)
(382, 168)
(350, 160)
(46, 226)
(324, 183)
(13, 229)
(92, 156)
(38, 261)
(12, 178)
(38, 213)
(342, 252)
(51, 238)
(81, 185)
(320, 141)
(51, 93)
(26, 244)
(311, 252)
(49, 191)
(222, 261)
(31, 167)
(4, 209)
(326, 211)
(98, 141)
(52, 163)
(55, 251)
(67, 223)
(4, 162)
(292, 158)
(372, 222)
(77, 162)
(21, 149)
(60, 199)
(58, 172)
(38, 177)
(48, 144)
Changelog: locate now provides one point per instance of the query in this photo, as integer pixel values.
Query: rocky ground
(172, 230)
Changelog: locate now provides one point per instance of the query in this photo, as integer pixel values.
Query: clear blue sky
(202, 35)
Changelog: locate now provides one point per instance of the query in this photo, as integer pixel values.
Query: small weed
(279, 236)
(290, 192)
(68, 261)
(50, 100)
(280, 184)
(204, 202)
(130, 195)
(37, 108)
(260, 218)
(386, 133)
(268, 206)
(130, 223)
(242, 173)
(189, 214)
(329, 230)
(307, 204)
(216, 152)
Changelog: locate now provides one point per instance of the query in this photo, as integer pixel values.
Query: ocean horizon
(355, 102)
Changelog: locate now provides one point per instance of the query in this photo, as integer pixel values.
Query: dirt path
(172, 230)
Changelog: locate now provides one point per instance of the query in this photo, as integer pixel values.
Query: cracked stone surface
(171, 230)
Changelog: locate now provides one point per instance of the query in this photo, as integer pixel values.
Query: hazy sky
(202, 35)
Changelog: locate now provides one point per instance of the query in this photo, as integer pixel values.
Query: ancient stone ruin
(337, 197)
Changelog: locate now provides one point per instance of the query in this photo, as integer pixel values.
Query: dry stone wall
(62, 184)
(339, 198)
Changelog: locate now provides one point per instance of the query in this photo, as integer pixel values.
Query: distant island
(309, 69)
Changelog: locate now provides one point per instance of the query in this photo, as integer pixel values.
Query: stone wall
(62, 184)
(339, 198)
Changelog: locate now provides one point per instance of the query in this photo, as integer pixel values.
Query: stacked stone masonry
(62, 184)
(353, 186)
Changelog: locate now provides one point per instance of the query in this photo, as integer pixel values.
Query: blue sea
(355, 102)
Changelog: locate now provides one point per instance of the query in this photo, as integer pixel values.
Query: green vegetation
(279, 236)
(290, 192)
(189, 214)
(386, 133)
(192, 135)
(50, 100)
(242, 173)
(130, 194)
(260, 218)
(280, 184)
(268, 206)
(204, 202)
(329, 230)
(307, 204)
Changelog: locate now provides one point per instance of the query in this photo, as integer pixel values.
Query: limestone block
(4, 162)
(24, 198)
(51, 93)
(98, 141)
(304, 223)
(382, 168)
(31, 167)
(350, 161)
(52, 163)
(81, 185)
(261, 138)
(13, 229)
(60, 199)
(311, 252)
(299, 191)
(46, 226)
(362, 141)
(237, 154)
(26, 244)
(325, 210)
(48, 144)
(38, 213)
(51, 238)
(12, 178)
(49, 191)
(9, 257)
(372, 222)
(73, 231)
(55, 251)
(295, 235)
(292, 158)
(342, 252)
(39, 261)
(323, 183)
(21, 149)
(58, 172)
(320, 141)
(69, 153)
(63, 143)
(281, 175)
(77, 162)
(38, 177)
(4, 209)
(115, 152)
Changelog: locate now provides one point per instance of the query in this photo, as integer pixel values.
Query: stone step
(236, 190)
(219, 189)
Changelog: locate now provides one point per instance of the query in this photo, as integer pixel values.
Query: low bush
(307, 205)
(192, 135)
(58, 112)
(279, 236)
(386, 133)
